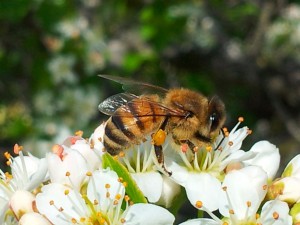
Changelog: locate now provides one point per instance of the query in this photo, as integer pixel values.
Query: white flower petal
(243, 187)
(204, 188)
(97, 190)
(33, 219)
(39, 176)
(72, 205)
(179, 173)
(148, 214)
(236, 156)
(150, 183)
(73, 163)
(278, 209)
(28, 171)
(92, 159)
(4, 206)
(267, 157)
(170, 190)
(293, 167)
(201, 221)
(97, 138)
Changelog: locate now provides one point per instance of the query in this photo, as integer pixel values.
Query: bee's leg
(158, 139)
(160, 158)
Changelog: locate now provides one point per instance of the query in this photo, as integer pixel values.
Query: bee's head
(204, 117)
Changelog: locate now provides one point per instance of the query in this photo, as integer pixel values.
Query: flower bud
(22, 202)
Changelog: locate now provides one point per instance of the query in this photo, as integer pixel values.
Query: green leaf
(132, 190)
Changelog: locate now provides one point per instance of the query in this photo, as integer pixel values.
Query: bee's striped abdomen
(130, 124)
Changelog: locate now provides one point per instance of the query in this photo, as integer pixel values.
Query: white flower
(28, 172)
(286, 188)
(267, 157)
(200, 174)
(100, 204)
(68, 163)
(243, 193)
(142, 164)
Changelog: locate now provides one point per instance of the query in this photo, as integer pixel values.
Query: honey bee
(188, 116)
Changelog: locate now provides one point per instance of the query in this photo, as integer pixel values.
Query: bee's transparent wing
(136, 87)
(112, 103)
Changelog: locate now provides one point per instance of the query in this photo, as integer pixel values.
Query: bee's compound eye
(214, 121)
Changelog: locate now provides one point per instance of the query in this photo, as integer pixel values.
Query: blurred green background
(247, 52)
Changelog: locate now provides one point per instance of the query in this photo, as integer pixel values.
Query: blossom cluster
(77, 182)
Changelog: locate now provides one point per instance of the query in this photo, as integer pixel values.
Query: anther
(107, 186)
(8, 176)
(73, 140)
(184, 147)
(275, 215)
(66, 192)
(79, 133)
(123, 220)
(265, 187)
(92, 144)
(121, 154)
(195, 149)
(68, 174)
(199, 204)
(89, 173)
(230, 143)
(7, 155)
(241, 119)
(17, 149)
(51, 202)
(224, 188)
(209, 148)
(248, 204)
(118, 196)
(249, 131)
(226, 134)
(73, 220)
(125, 184)
(96, 202)
(126, 198)
(58, 150)
(231, 211)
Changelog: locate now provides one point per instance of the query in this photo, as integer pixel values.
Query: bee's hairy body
(194, 121)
